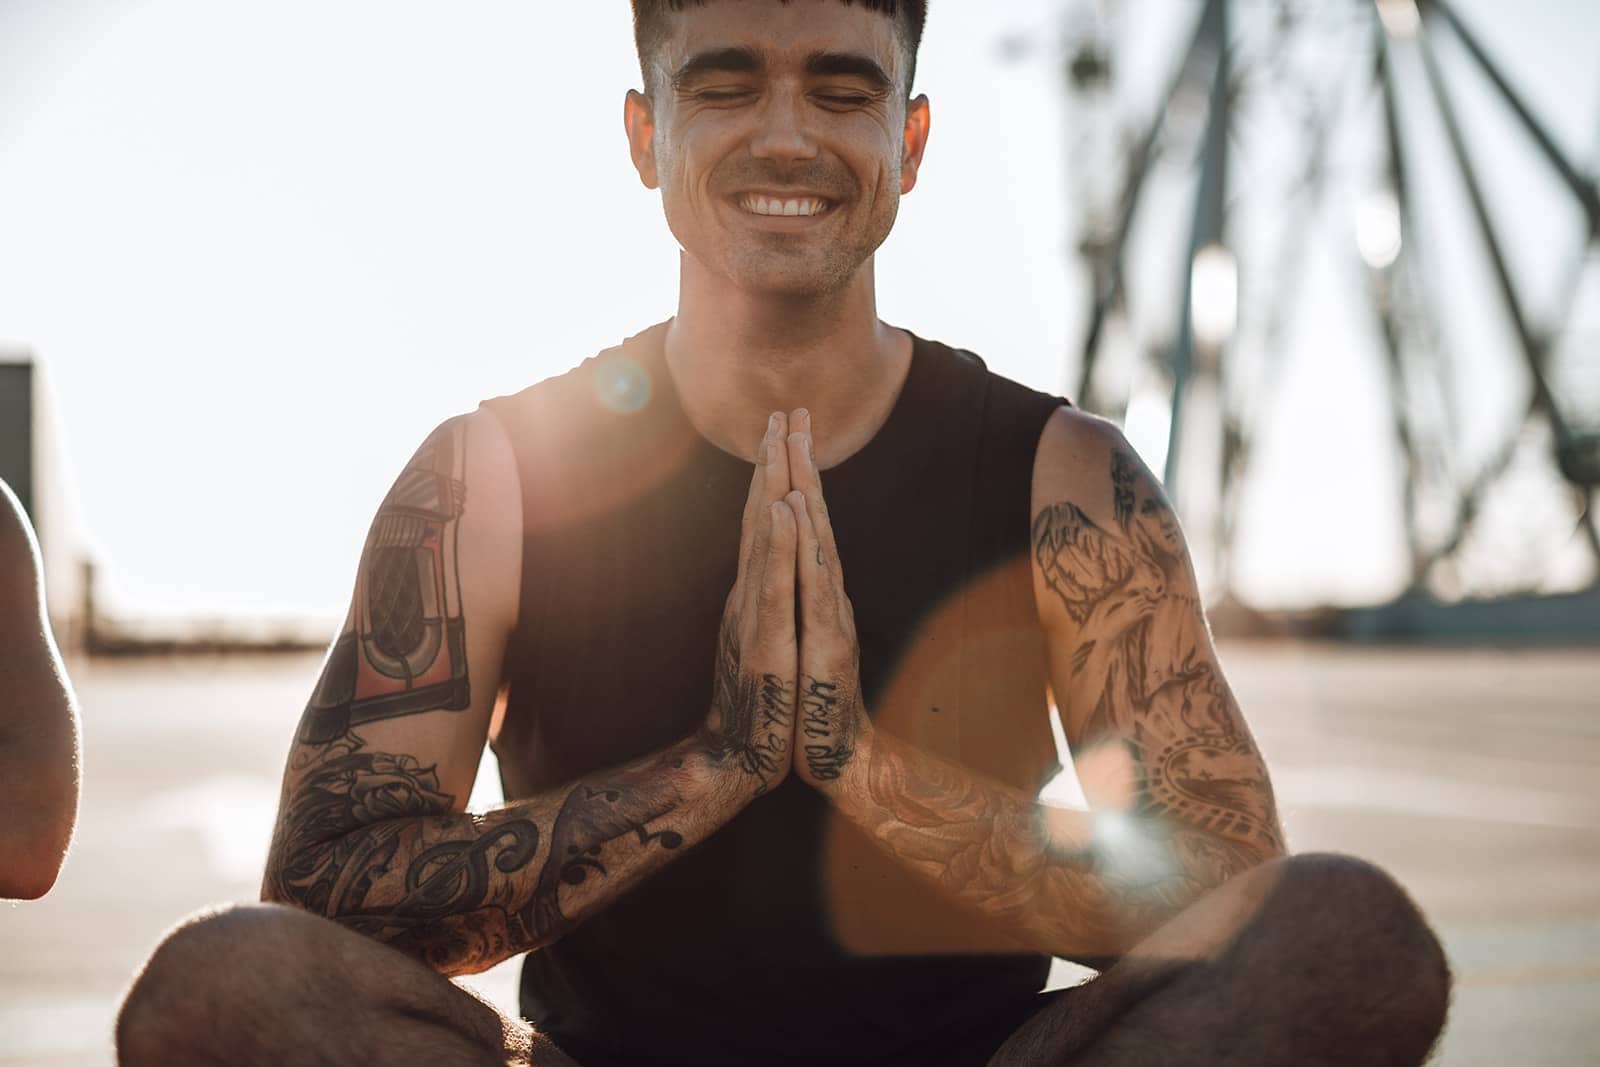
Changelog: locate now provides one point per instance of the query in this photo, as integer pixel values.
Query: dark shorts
(969, 1047)
(974, 1046)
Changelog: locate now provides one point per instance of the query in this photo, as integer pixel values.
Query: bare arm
(38, 721)
(1182, 801)
(371, 830)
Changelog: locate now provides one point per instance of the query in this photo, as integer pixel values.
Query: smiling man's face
(780, 138)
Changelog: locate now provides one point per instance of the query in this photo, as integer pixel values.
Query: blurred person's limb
(38, 721)
(372, 830)
(1176, 883)
(285, 987)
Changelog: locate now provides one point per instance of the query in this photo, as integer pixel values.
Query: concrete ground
(1470, 774)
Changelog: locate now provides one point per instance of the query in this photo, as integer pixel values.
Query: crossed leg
(270, 985)
(1311, 961)
(1308, 961)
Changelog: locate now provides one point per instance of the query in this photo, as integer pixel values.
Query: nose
(781, 130)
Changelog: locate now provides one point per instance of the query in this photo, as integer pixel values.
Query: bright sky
(263, 248)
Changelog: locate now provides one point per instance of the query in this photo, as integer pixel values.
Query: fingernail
(772, 422)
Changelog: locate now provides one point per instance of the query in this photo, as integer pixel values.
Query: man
(794, 822)
(38, 721)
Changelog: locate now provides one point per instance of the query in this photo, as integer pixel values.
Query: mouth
(774, 206)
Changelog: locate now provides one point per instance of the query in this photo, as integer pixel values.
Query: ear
(915, 137)
(638, 116)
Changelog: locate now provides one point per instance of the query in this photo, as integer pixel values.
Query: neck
(737, 356)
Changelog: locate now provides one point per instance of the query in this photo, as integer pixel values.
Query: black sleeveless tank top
(787, 936)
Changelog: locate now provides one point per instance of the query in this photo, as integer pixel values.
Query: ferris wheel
(1349, 99)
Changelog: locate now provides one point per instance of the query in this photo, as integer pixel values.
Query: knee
(1363, 907)
(185, 999)
(1352, 925)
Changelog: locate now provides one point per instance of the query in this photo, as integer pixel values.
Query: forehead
(783, 34)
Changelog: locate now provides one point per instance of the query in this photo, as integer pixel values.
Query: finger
(816, 588)
(757, 493)
(802, 455)
(777, 478)
(775, 604)
(774, 483)
(758, 498)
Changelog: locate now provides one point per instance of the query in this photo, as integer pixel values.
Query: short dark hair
(649, 27)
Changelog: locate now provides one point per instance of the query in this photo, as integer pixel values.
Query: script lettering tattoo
(751, 716)
(828, 718)
(406, 650)
(1159, 693)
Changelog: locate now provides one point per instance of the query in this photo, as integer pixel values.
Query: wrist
(718, 777)
(848, 781)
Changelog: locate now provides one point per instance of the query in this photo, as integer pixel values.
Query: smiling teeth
(761, 205)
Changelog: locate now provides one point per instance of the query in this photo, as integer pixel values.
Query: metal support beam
(1582, 187)
(1106, 292)
(1210, 195)
(1531, 346)
(1383, 304)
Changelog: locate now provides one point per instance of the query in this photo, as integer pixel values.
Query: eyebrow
(738, 60)
(719, 61)
(848, 65)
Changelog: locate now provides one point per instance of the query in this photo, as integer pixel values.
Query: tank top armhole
(495, 408)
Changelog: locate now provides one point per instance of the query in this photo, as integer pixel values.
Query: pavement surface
(1470, 774)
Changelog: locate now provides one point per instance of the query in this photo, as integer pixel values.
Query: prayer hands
(766, 664)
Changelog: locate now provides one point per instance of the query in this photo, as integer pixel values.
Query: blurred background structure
(1331, 263)
(1274, 118)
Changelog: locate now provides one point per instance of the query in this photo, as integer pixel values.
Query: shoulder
(965, 364)
(1101, 521)
(465, 465)
(1081, 458)
(618, 381)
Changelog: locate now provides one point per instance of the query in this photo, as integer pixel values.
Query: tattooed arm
(371, 830)
(38, 722)
(1181, 797)
(1156, 734)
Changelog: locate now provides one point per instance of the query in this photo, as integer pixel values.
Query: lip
(783, 222)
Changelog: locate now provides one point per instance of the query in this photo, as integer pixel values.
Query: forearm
(38, 778)
(463, 891)
(40, 814)
(1058, 880)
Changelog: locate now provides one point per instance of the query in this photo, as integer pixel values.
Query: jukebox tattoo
(406, 651)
